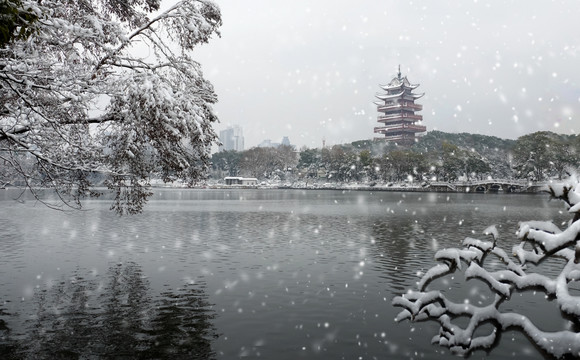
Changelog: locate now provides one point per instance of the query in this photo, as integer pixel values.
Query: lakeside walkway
(479, 186)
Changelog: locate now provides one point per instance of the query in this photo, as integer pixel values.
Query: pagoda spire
(399, 73)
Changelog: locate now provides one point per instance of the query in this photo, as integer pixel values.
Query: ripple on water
(280, 274)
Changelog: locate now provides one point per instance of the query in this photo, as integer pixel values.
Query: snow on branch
(539, 240)
(99, 94)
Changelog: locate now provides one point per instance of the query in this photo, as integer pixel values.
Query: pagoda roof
(393, 96)
(399, 82)
(389, 96)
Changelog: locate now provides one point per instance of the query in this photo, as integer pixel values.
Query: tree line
(435, 157)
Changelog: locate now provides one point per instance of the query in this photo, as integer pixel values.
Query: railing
(405, 116)
(405, 105)
(521, 184)
(394, 126)
(413, 127)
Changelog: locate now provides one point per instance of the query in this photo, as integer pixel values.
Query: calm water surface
(274, 274)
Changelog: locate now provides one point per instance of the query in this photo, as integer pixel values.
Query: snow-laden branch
(78, 97)
(194, 27)
(546, 241)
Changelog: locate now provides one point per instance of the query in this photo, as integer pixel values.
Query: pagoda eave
(389, 96)
(399, 86)
(405, 128)
(399, 140)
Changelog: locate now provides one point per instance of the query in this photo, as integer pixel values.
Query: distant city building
(269, 144)
(232, 138)
(397, 108)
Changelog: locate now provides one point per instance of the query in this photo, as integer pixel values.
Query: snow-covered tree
(17, 22)
(267, 162)
(539, 241)
(105, 86)
(226, 163)
(543, 155)
(309, 162)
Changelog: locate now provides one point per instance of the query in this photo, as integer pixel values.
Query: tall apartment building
(232, 138)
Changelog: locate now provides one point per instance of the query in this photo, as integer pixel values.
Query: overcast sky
(310, 70)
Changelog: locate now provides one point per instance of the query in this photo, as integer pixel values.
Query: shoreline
(457, 188)
(474, 188)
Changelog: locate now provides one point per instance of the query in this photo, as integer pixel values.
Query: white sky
(310, 69)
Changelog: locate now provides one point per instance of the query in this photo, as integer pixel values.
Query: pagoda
(397, 107)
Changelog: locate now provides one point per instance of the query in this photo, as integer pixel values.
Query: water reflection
(399, 250)
(116, 317)
(8, 347)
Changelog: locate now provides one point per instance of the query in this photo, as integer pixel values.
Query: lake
(224, 274)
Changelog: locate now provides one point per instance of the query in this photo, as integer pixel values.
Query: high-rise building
(232, 138)
(397, 108)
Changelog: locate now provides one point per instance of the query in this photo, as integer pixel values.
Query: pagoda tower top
(399, 83)
(397, 108)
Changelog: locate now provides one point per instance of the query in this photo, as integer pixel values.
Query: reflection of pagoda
(398, 108)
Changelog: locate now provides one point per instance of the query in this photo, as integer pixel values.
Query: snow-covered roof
(399, 82)
(394, 96)
(389, 96)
